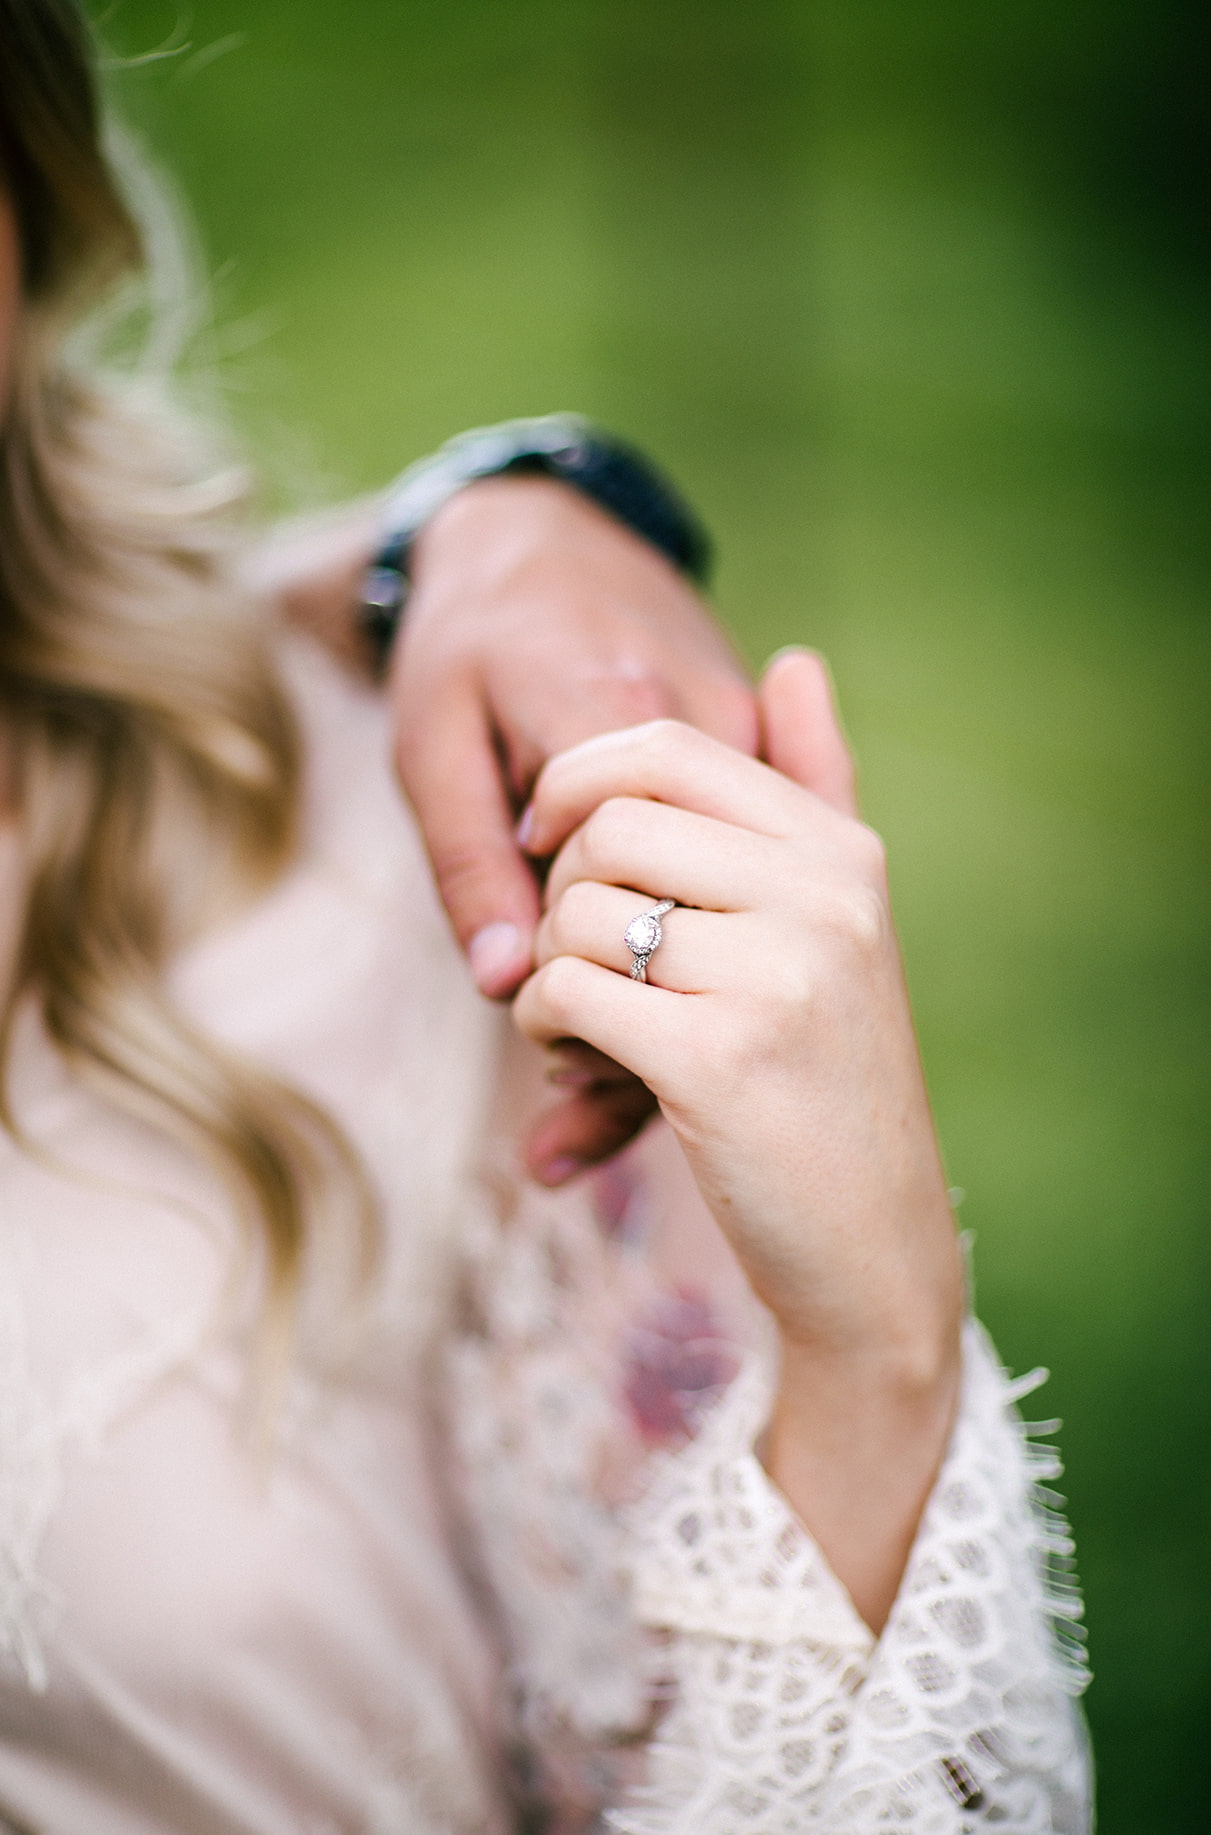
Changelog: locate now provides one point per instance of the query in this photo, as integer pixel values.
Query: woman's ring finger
(592, 920)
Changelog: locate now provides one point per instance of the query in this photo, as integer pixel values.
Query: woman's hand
(775, 1033)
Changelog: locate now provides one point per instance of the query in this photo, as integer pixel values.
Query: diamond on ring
(643, 937)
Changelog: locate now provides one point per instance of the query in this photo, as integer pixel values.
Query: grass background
(912, 299)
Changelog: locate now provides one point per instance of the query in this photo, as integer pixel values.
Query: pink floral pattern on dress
(677, 1363)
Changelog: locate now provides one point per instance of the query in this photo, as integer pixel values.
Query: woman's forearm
(774, 1026)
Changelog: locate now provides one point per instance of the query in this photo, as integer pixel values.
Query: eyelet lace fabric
(774, 1709)
(786, 1716)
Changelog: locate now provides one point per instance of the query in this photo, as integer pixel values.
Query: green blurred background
(912, 298)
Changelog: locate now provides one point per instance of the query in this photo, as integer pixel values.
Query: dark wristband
(564, 446)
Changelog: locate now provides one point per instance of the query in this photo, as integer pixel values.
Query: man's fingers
(536, 722)
(587, 1126)
(571, 1064)
(536, 719)
(449, 769)
(623, 693)
(801, 730)
(726, 708)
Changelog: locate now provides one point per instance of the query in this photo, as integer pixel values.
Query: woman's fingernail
(557, 1170)
(525, 828)
(493, 951)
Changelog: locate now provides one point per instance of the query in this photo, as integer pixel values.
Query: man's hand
(535, 620)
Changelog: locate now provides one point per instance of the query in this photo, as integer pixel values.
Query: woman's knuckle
(664, 739)
(552, 931)
(573, 911)
(606, 834)
(560, 984)
(850, 911)
(551, 785)
(871, 852)
(742, 1046)
(793, 987)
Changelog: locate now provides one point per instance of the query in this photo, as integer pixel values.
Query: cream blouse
(510, 1561)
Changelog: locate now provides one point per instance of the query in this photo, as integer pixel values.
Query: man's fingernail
(525, 828)
(568, 1077)
(557, 1170)
(493, 951)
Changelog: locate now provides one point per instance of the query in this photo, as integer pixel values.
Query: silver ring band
(643, 937)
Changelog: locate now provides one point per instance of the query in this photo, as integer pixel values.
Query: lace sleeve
(785, 1714)
(680, 1657)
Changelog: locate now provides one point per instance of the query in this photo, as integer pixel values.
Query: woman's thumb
(800, 730)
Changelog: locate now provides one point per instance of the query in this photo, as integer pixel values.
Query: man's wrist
(564, 448)
(493, 527)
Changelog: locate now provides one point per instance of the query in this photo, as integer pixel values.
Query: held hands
(774, 1029)
(534, 621)
(775, 1032)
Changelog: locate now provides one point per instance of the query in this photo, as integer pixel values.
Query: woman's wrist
(855, 1443)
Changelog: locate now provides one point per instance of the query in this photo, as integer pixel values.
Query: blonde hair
(156, 762)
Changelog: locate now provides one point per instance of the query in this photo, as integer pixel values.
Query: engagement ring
(643, 937)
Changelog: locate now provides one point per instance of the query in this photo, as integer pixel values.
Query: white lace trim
(961, 1715)
(722, 1552)
(781, 1713)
